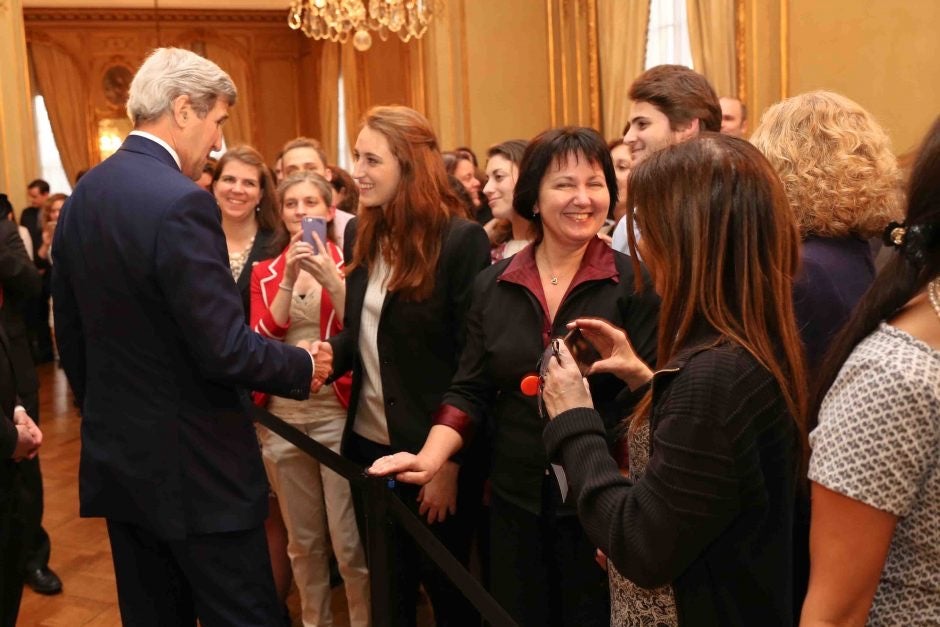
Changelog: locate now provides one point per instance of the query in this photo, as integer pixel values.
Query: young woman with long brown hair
(699, 531)
(411, 266)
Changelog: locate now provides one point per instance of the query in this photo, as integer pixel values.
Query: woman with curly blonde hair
(844, 186)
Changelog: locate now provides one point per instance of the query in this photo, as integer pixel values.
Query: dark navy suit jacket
(151, 332)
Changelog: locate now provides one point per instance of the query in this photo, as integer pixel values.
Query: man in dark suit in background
(20, 283)
(19, 440)
(152, 336)
(38, 192)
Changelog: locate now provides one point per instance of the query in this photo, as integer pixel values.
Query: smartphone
(311, 225)
(581, 349)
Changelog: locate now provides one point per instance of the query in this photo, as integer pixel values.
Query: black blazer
(8, 432)
(419, 342)
(20, 282)
(152, 335)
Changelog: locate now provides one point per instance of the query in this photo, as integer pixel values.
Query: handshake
(322, 354)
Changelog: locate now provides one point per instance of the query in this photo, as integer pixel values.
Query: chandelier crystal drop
(340, 20)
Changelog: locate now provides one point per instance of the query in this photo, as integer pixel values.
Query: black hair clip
(913, 241)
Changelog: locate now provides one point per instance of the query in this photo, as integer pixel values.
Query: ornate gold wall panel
(574, 77)
(274, 68)
(255, 47)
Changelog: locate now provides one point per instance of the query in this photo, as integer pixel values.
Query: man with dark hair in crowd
(38, 192)
(670, 104)
(733, 117)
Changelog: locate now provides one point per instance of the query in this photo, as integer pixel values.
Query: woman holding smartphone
(543, 569)
(297, 296)
(699, 531)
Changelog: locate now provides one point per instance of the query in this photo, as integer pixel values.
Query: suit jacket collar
(146, 146)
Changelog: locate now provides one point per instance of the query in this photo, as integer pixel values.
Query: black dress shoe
(44, 581)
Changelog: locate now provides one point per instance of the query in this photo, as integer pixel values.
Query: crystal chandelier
(337, 20)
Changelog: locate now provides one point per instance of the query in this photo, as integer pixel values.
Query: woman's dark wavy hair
(904, 276)
(511, 149)
(551, 148)
(723, 247)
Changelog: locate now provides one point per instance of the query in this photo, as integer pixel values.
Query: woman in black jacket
(699, 531)
(410, 266)
(542, 565)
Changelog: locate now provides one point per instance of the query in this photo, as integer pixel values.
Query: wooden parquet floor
(81, 554)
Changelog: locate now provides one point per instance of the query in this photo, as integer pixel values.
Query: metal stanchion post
(378, 542)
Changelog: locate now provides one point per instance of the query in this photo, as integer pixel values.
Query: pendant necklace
(933, 292)
(554, 277)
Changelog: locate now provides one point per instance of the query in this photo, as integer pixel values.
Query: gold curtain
(64, 91)
(621, 27)
(355, 88)
(238, 127)
(328, 97)
(711, 33)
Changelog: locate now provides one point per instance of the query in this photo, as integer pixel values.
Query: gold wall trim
(552, 82)
(740, 49)
(36, 16)
(573, 62)
(563, 30)
(784, 49)
(464, 74)
(594, 69)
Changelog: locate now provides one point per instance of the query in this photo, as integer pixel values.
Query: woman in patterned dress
(875, 466)
(699, 532)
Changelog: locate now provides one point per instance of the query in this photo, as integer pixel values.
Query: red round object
(529, 384)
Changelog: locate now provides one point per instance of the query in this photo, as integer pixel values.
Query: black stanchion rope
(491, 611)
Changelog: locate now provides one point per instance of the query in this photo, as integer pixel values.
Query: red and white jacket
(266, 276)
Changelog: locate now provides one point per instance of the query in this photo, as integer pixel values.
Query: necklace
(551, 271)
(237, 260)
(933, 292)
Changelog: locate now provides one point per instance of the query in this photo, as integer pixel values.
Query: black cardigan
(712, 514)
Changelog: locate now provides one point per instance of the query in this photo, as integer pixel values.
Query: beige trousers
(316, 504)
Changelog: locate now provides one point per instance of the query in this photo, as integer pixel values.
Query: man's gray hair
(172, 72)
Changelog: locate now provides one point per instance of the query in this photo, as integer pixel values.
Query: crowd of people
(754, 441)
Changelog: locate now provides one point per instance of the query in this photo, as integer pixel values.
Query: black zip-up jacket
(508, 328)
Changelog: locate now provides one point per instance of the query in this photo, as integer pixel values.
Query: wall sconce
(111, 133)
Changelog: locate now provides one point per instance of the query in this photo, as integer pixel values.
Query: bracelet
(287, 288)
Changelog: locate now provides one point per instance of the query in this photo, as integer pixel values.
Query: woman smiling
(543, 568)
(244, 190)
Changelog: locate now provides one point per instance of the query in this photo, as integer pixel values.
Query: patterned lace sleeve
(879, 425)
